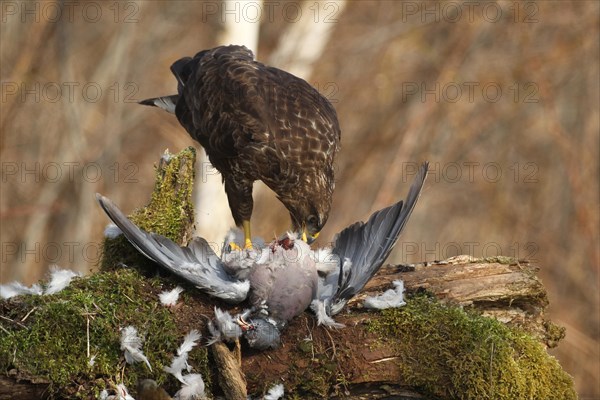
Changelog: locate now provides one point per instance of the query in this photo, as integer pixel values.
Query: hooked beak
(308, 238)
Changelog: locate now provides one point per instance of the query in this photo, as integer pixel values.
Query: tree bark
(13, 388)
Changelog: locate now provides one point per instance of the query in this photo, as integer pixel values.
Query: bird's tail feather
(167, 103)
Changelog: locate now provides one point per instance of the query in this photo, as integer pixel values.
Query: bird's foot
(247, 235)
(233, 246)
(241, 321)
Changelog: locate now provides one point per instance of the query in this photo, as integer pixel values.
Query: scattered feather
(170, 297)
(189, 342)
(389, 299)
(179, 363)
(92, 361)
(323, 318)
(112, 231)
(215, 334)
(226, 327)
(131, 344)
(275, 393)
(122, 394)
(17, 288)
(59, 279)
(192, 389)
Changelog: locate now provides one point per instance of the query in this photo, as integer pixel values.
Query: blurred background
(501, 97)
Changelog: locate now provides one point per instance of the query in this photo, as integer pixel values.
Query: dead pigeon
(280, 280)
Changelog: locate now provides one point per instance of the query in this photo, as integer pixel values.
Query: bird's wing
(196, 263)
(362, 248)
(302, 124)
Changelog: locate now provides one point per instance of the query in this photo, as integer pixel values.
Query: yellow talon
(234, 246)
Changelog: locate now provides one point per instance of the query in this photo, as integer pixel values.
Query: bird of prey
(258, 122)
(283, 279)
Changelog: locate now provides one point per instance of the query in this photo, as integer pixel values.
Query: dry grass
(541, 133)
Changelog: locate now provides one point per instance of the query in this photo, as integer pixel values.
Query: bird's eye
(312, 220)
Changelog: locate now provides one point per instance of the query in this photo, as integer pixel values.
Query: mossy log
(442, 344)
(471, 329)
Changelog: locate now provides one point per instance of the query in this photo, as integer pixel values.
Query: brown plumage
(259, 123)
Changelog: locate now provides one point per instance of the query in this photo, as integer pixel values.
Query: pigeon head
(262, 334)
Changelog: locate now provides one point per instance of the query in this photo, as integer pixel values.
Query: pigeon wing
(362, 248)
(196, 263)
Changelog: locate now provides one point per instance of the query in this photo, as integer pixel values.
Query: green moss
(451, 353)
(52, 341)
(499, 260)
(169, 213)
(553, 334)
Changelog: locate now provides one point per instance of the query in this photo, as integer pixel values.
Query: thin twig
(28, 314)
(383, 360)
(13, 321)
(332, 344)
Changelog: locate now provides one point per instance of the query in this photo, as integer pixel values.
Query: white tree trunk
(212, 209)
(304, 41)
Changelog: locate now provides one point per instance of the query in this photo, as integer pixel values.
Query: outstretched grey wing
(197, 263)
(362, 248)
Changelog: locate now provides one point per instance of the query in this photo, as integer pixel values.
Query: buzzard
(258, 122)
